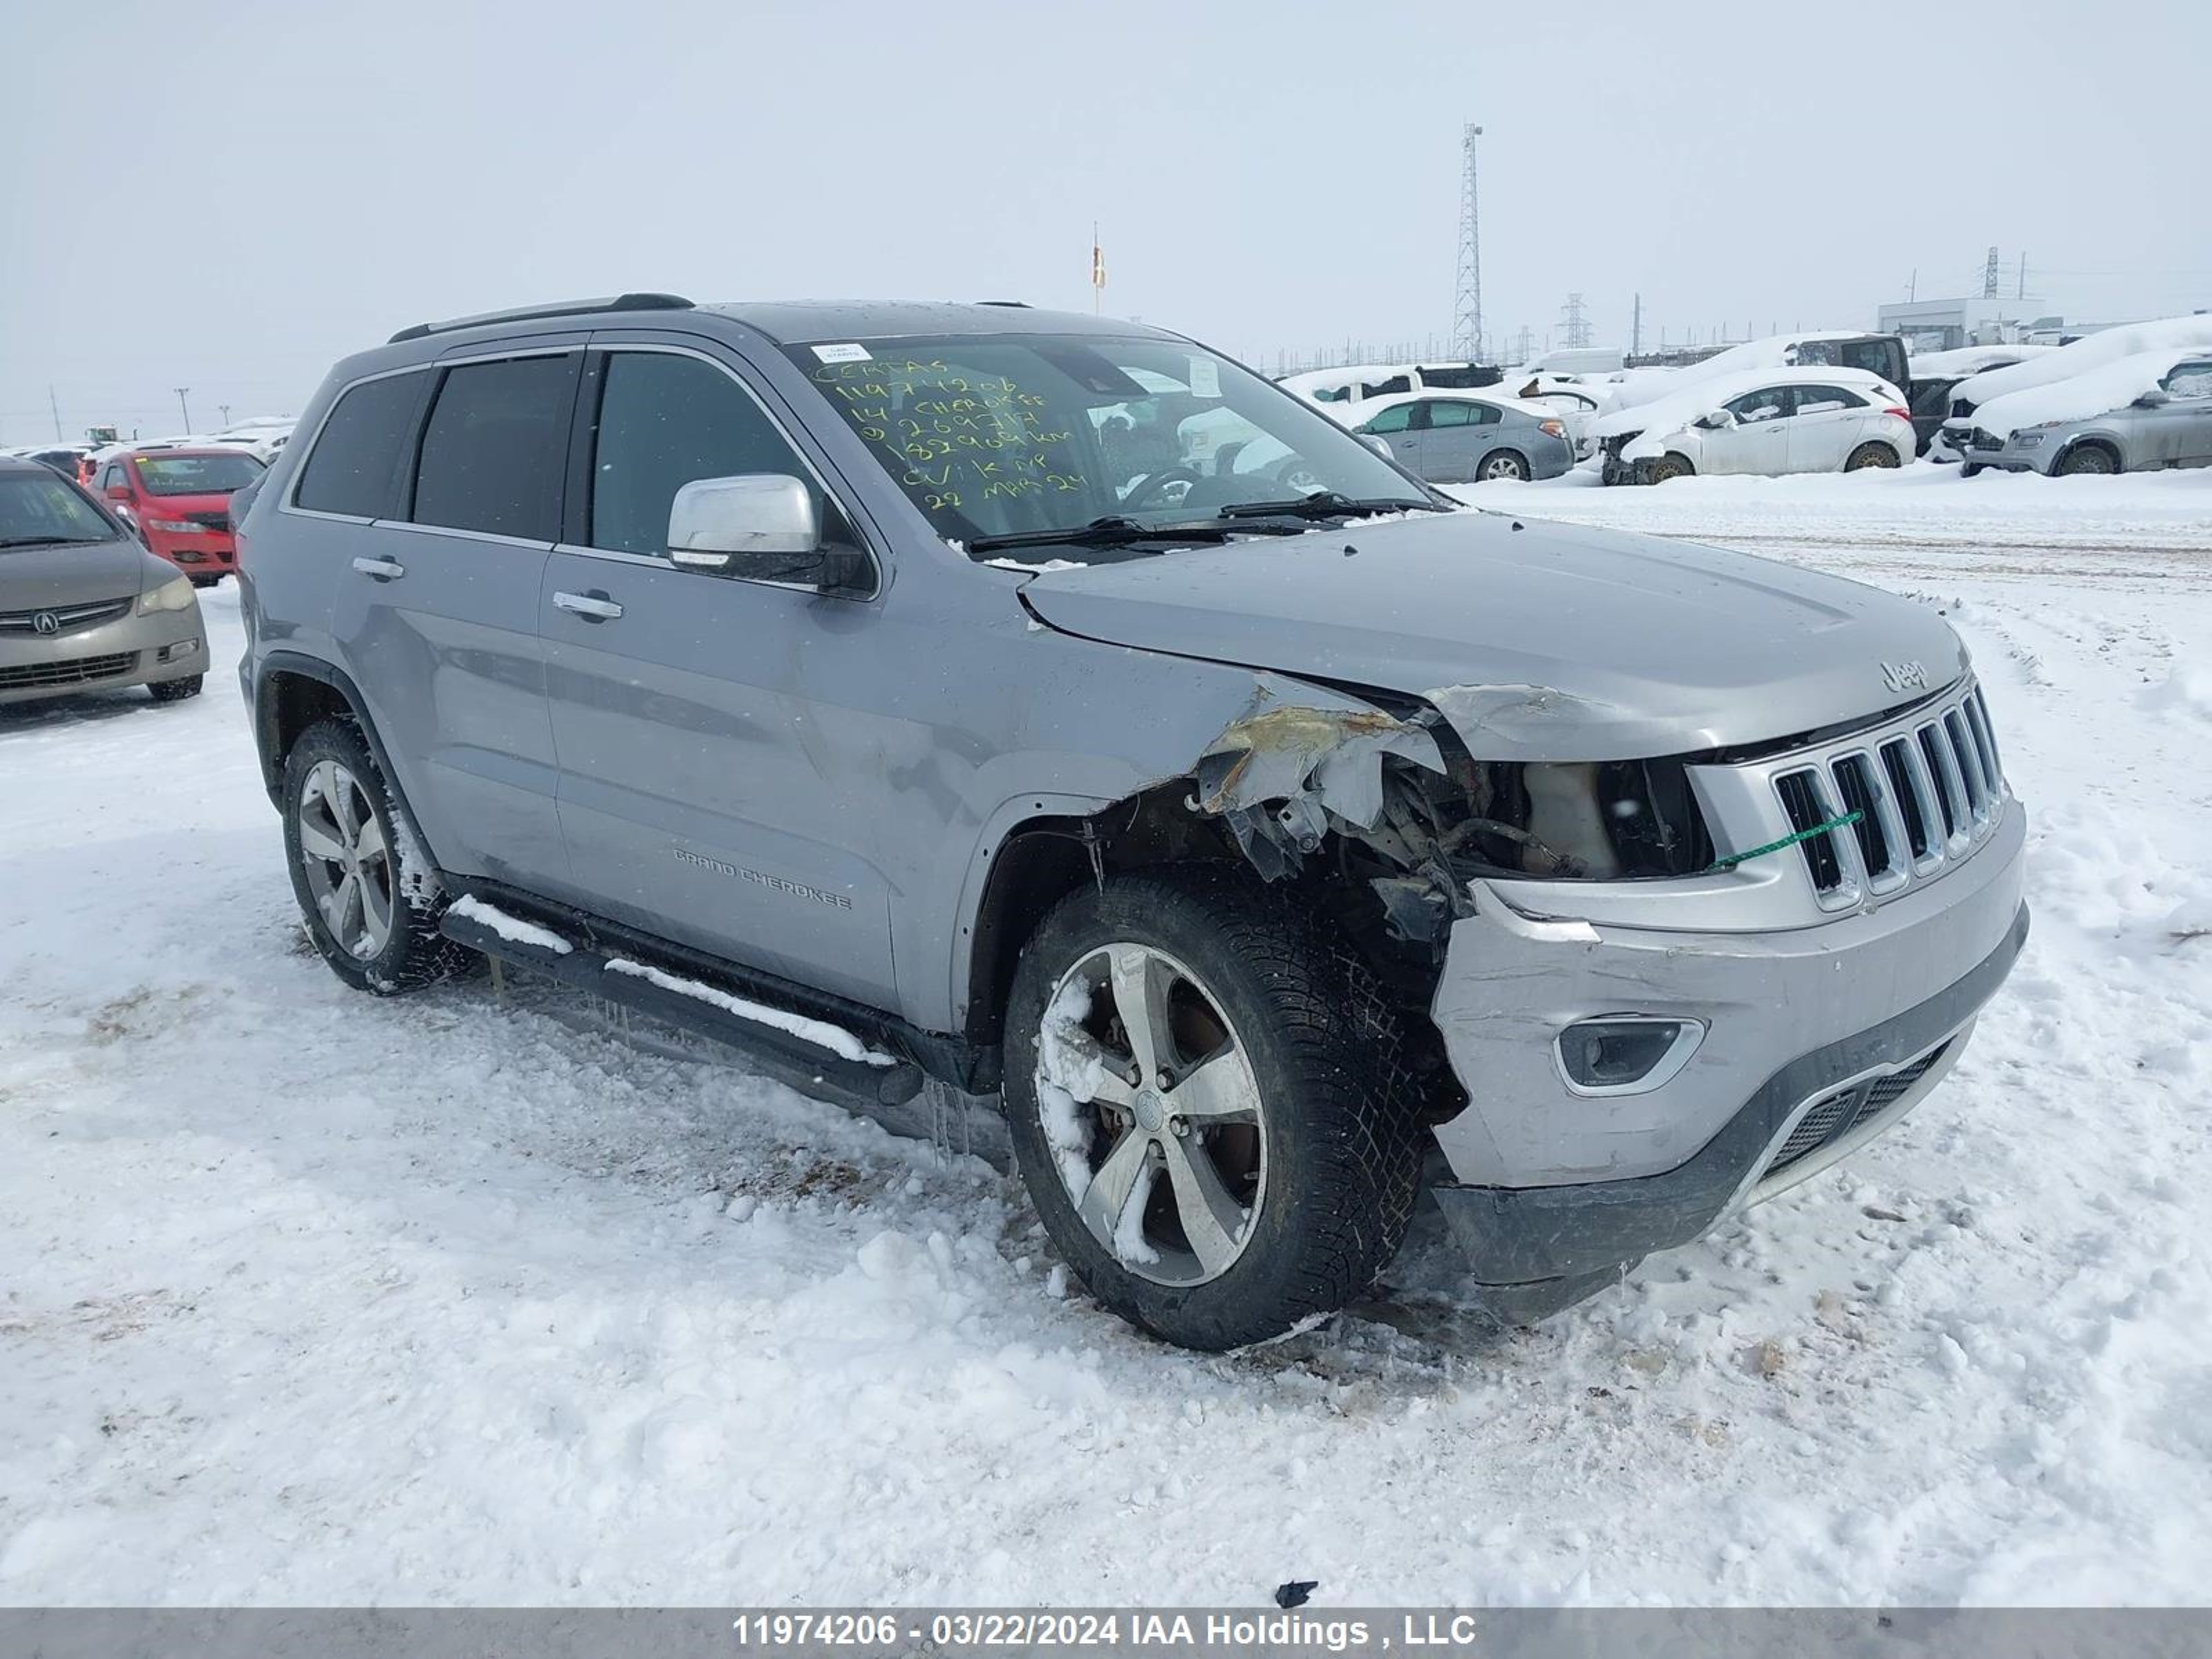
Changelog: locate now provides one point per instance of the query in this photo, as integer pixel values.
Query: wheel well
(1044, 859)
(290, 703)
(2105, 444)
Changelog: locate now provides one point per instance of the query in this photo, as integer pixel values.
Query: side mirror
(1716, 419)
(760, 525)
(2156, 398)
(1381, 446)
(118, 492)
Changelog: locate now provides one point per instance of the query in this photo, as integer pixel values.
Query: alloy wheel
(348, 860)
(1153, 1114)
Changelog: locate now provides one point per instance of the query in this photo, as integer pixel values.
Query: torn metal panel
(1282, 775)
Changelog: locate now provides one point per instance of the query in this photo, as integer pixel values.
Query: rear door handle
(592, 607)
(385, 570)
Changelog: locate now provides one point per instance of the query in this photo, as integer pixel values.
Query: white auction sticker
(842, 354)
(1205, 378)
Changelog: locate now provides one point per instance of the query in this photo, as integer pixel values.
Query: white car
(1575, 402)
(1766, 423)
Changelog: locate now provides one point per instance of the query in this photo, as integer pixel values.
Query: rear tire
(2087, 459)
(1318, 1160)
(370, 912)
(176, 690)
(1500, 464)
(1872, 454)
(1970, 469)
(1672, 465)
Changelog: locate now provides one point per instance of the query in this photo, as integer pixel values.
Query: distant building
(1946, 324)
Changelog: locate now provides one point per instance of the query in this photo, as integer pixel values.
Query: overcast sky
(228, 196)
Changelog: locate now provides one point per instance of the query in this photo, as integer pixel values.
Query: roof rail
(528, 313)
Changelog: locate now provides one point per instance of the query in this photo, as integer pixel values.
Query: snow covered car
(2066, 362)
(1638, 391)
(1766, 423)
(1936, 374)
(1459, 438)
(1265, 861)
(83, 607)
(2142, 414)
(1574, 401)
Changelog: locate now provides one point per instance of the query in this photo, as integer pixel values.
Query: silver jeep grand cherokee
(1049, 710)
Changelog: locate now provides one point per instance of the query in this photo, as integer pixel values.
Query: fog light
(179, 648)
(1626, 1053)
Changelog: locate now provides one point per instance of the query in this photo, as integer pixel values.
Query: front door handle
(592, 607)
(384, 570)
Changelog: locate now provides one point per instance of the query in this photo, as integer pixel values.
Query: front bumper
(133, 650)
(207, 555)
(1551, 1183)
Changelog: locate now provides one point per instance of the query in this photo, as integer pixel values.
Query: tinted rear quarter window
(496, 446)
(355, 459)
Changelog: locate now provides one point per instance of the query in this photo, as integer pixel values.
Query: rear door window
(355, 463)
(1826, 399)
(496, 446)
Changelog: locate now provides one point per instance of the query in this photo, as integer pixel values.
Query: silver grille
(1927, 791)
(67, 618)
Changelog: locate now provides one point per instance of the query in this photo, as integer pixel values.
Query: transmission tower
(1467, 302)
(1990, 276)
(1574, 326)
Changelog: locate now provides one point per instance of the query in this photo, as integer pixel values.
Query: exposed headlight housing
(169, 596)
(2027, 439)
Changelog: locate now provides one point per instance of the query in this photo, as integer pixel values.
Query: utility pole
(185, 406)
(1990, 275)
(1636, 330)
(2022, 294)
(1466, 297)
(1575, 325)
(54, 404)
(1912, 289)
(224, 409)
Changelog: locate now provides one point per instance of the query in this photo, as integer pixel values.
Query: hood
(1547, 642)
(35, 578)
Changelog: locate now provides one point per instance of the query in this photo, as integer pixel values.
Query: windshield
(37, 508)
(992, 436)
(197, 475)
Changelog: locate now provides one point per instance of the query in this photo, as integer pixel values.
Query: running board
(794, 1048)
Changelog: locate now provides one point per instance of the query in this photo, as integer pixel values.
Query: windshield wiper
(1113, 531)
(1325, 504)
(52, 541)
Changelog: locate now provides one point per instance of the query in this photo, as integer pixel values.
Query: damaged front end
(1394, 796)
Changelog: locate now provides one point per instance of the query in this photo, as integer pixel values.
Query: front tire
(2087, 459)
(176, 690)
(1672, 465)
(1202, 1091)
(374, 922)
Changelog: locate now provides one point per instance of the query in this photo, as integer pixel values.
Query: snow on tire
(367, 903)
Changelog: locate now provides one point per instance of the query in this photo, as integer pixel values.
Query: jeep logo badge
(1905, 676)
(46, 623)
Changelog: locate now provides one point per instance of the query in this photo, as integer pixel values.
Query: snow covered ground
(308, 1297)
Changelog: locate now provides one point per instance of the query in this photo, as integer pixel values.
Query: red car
(178, 501)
